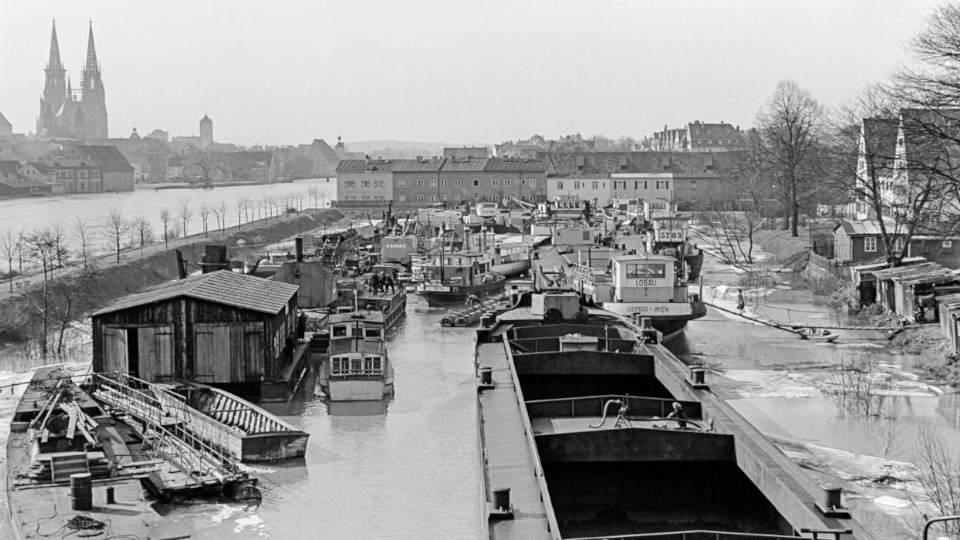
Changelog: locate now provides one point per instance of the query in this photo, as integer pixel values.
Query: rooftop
(224, 287)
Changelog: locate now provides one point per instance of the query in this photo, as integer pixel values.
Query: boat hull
(668, 318)
(446, 295)
(369, 390)
(511, 269)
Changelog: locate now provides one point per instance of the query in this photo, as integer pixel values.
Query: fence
(831, 266)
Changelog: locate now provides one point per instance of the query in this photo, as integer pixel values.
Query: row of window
(870, 244)
(82, 174)
(356, 366)
(494, 182)
(622, 184)
(476, 196)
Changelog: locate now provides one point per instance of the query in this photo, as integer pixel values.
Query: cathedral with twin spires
(69, 114)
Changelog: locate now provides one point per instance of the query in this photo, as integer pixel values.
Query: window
(433, 197)
(495, 182)
(523, 182)
(693, 184)
(456, 183)
(402, 183)
(646, 270)
(576, 185)
(419, 198)
(663, 184)
(559, 185)
(419, 183)
(339, 331)
(898, 244)
(443, 183)
(402, 198)
(371, 332)
(506, 182)
(365, 198)
(433, 183)
(947, 243)
(365, 183)
(596, 185)
(443, 197)
(476, 183)
(870, 244)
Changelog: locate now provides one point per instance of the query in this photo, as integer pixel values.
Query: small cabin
(487, 209)
(463, 267)
(219, 328)
(670, 230)
(638, 278)
(356, 325)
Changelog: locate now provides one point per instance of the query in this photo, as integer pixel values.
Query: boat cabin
(656, 209)
(670, 230)
(463, 268)
(356, 325)
(569, 207)
(353, 358)
(639, 278)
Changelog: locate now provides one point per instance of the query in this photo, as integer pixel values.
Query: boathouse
(911, 291)
(220, 328)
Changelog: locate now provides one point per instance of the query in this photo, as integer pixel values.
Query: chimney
(299, 243)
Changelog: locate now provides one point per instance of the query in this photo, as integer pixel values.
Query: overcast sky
(281, 72)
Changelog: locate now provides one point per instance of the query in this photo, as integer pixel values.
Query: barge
(75, 468)
(578, 439)
(356, 367)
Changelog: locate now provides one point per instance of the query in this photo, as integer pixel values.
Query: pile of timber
(56, 467)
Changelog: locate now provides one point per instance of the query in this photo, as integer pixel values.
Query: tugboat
(453, 277)
(357, 367)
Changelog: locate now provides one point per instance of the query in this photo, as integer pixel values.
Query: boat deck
(509, 458)
(585, 424)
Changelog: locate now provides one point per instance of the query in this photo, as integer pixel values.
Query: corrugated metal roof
(865, 227)
(929, 272)
(224, 287)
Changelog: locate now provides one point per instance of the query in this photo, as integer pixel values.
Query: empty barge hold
(553, 467)
(220, 419)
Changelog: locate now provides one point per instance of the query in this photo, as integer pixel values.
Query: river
(28, 214)
(405, 468)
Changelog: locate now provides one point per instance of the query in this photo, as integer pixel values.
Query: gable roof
(224, 287)
(4, 121)
(109, 157)
(865, 227)
(603, 164)
(326, 151)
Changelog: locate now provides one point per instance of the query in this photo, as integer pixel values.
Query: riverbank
(108, 280)
(852, 413)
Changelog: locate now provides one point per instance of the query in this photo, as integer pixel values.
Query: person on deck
(678, 415)
(740, 303)
(388, 282)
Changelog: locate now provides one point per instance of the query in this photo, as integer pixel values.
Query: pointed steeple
(54, 64)
(92, 64)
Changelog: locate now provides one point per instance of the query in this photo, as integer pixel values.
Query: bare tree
(240, 204)
(184, 212)
(58, 232)
(789, 126)
(220, 210)
(43, 249)
(165, 218)
(204, 215)
(114, 226)
(248, 208)
(938, 471)
(82, 230)
(314, 193)
(143, 230)
(72, 298)
(8, 249)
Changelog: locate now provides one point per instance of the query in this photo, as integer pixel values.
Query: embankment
(20, 316)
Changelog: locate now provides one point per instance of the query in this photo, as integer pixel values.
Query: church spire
(92, 64)
(54, 64)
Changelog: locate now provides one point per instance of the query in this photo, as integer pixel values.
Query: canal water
(27, 214)
(404, 468)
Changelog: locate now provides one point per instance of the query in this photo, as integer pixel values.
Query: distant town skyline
(458, 73)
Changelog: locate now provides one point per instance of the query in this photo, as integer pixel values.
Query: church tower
(55, 87)
(206, 131)
(94, 98)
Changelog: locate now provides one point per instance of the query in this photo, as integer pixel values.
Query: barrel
(501, 498)
(81, 491)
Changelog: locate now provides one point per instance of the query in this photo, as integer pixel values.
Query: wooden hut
(950, 319)
(909, 290)
(219, 328)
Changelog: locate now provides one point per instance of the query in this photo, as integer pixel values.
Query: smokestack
(299, 243)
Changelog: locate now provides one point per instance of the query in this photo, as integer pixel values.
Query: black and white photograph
(480, 269)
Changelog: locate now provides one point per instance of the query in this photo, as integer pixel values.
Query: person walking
(740, 303)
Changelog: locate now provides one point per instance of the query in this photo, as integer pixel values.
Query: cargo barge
(578, 439)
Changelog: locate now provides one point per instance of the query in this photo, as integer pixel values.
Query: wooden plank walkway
(509, 460)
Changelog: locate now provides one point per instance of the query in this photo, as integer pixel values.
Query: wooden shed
(909, 290)
(950, 319)
(220, 328)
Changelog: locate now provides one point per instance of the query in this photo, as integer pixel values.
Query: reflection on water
(404, 468)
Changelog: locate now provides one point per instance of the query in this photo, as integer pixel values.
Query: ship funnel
(299, 244)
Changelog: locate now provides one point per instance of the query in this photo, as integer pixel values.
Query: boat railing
(192, 454)
(553, 525)
(701, 534)
(594, 405)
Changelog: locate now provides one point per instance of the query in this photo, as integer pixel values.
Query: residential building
(68, 114)
(450, 181)
(683, 178)
(75, 175)
(118, 174)
(698, 137)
